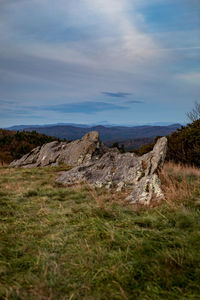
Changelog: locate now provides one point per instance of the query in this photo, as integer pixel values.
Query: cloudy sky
(95, 61)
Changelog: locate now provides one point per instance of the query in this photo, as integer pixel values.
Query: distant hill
(111, 133)
(105, 124)
(131, 144)
(14, 145)
(23, 127)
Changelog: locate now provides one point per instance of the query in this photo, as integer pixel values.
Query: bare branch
(195, 113)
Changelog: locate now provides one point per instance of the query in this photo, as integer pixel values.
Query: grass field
(81, 243)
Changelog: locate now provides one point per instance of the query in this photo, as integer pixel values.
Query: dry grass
(3, 164)
(181, 169)
(179, 182)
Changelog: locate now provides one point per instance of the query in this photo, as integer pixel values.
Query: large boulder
(116, 170)
(85, 150)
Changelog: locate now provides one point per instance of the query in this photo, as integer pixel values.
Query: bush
(14, 145)
(120, 148)
(147, 147)
(184, 145)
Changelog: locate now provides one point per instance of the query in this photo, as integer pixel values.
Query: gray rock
(100, 166)
(117, 170)
(85, 150)
(148, 186)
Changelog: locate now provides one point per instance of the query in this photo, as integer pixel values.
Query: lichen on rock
(118, 170)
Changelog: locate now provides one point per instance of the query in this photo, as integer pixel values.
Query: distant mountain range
(105, 124)
(108, 133)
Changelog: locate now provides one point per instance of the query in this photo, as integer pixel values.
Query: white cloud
(191, 77)
(125, 47)
(131, 45)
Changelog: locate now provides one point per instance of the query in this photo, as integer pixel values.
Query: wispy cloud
(193, 78)
(6, 113)
(180, 49)
(86, 107)
(134, 101)
(116, 95)
(6, 102)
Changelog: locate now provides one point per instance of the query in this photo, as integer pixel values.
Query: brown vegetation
(14, 145)
(179, 182)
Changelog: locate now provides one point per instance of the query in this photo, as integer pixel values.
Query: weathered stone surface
(118, 170)
(148, 186)
(85, 150)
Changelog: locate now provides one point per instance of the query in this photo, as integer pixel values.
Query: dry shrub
(3, 163)
(178, 181)
(180, 169)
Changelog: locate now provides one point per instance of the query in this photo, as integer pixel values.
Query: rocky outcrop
(116, 170)
(85, 150)
(100, 166)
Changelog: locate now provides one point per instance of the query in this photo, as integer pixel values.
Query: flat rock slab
(116, 170)
(85, 150)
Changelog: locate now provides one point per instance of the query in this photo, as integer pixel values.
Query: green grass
(77, 243)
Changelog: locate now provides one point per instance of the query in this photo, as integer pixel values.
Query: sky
(98, 61)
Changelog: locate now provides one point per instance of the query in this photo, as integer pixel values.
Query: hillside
(130, 144)
(82, 243)
(114, 133)
(13, 144)
(183, 145)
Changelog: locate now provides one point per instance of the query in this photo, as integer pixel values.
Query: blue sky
(89, 61)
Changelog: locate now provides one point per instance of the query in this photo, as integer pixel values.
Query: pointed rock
(85, 150)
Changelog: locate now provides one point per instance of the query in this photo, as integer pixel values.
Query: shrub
(184, 145)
